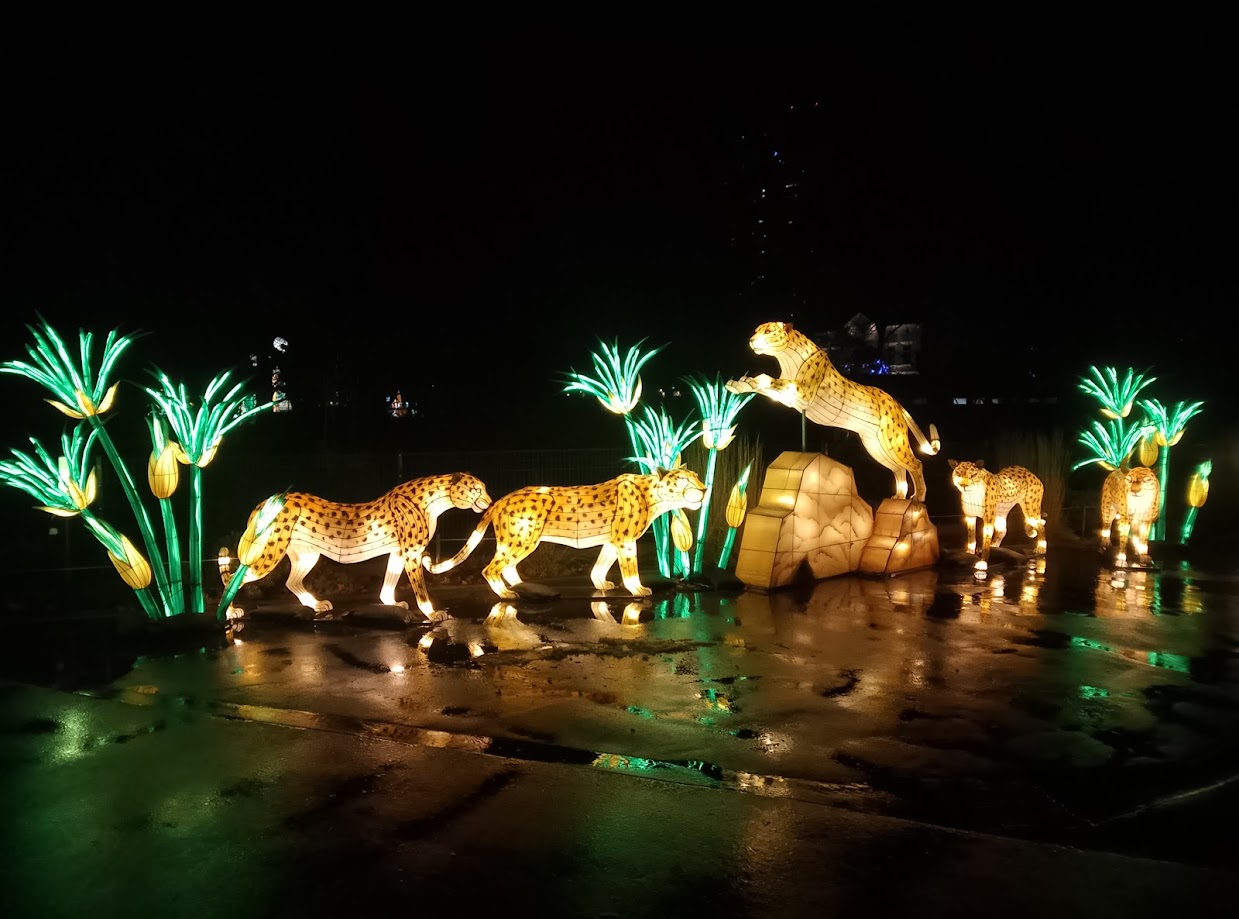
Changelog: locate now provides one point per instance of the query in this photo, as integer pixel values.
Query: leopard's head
(1139, 477)
(468, 493)
(965, 474)
(680, 487)
(770, 337)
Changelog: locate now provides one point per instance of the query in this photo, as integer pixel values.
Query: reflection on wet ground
(1057, 690)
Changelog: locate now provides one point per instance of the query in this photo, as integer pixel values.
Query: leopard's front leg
(300, 562)
(776, 388)
(987, 535)
(606, 558)
(395, 567)
(412, 559)
(628, 569)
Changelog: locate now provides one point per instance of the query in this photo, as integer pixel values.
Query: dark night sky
(440, 225)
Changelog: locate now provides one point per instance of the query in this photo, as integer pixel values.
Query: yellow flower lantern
(134, 569)
(681, 532)
(1160, 437)
(1197, 490)
(162, 472)
(737, 506)
(717, 438)
(80, 497)
(203, 461)
(1148, 450)
(250, 546)
(86, 407)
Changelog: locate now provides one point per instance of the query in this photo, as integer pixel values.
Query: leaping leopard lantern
(810, 383)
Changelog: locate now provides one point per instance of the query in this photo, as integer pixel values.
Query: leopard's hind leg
(501, 568)
(1034, 523)
(873, 443)
(1000, 525)
(301, 561)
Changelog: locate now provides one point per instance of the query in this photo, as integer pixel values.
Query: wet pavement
(1060, 735)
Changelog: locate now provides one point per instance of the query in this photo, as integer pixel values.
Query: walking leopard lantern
(810, 383)
(399, 525)
(987, 497)
(612, 515)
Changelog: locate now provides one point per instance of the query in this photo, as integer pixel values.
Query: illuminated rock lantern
(808, 514)
(903, 539)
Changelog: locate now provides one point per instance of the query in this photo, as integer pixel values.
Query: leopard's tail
(929, 446)
(466, 550)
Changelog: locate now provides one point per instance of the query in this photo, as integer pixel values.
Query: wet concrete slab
(1057, 701)
(116, 809)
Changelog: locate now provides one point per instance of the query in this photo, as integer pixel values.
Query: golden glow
(162, 472)
(134, 569)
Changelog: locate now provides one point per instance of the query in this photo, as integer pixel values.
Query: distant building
(860, 348)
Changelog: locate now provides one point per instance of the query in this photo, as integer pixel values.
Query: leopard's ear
(456, 477)
(787, 326)
(980, 464)
(952, 462)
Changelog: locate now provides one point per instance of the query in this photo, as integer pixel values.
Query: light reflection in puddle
(1162, 659)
